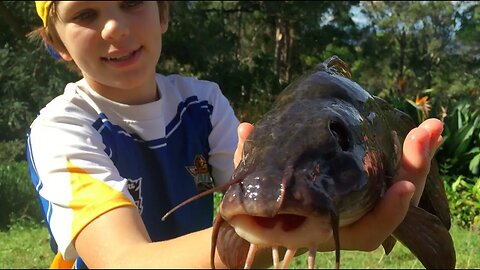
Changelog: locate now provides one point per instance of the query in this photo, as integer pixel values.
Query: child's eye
(85, 15)
(131, 4)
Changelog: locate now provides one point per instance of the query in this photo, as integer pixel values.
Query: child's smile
(123, 59)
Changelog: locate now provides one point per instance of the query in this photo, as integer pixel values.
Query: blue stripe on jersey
(182, 107)
(45, 206)
(79, 264)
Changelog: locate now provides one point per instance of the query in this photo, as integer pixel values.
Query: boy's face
(115, 44)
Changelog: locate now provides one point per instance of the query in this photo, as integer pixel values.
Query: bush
(12, 151)
(30, 78)
(18, 197)
(464, 198)
(460, 151)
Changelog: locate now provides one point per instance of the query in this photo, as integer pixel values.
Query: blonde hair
(49, 36)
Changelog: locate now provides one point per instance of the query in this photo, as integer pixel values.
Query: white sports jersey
(88, 155)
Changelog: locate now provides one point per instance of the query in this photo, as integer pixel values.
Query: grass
(26, 245)
(467, 246)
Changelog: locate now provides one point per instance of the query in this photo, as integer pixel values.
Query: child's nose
(115, 29)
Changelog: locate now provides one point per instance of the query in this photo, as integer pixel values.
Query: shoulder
(189, 86)
(179, 88)
(67, 109)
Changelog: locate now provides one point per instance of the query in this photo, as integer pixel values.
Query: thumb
(244, 129)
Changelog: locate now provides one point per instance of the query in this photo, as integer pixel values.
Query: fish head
(325, 151)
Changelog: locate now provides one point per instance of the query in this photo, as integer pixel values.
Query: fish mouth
(287, 230)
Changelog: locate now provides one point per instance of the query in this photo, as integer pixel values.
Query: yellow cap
(42, 9)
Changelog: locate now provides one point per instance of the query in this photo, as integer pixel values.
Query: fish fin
(337, 66)
(427, 238)
(388, 244)
(434, 198)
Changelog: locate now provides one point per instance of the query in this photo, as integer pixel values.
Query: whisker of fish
(276, 257)
(250, 256)
(198, 196)
(288, 257)
(312, 252)
(335, 224)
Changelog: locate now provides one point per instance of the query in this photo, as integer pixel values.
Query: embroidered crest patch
(200, 173)
(135, 189)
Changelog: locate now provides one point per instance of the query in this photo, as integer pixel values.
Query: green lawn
(27, 246)
(467, 246)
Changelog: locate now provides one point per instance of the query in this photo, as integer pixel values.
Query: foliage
(410, 46)
(458, 156)
(469, 33)
(460, 150)
(17, 195)
(464, 198)
(251, 49)
(26, 86)
(12, 151)
(30, 77)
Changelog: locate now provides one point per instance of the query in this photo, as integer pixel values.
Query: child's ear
(58, 54)
(164, 17)
(53, 52)
(65, 56)
(164, 25)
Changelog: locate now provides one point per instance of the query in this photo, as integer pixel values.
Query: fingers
(415, 154)
(418, 149)
(420, 145)
(385, 217)
(244, 130)
(435, 128)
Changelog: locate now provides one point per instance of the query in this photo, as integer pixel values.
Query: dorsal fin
(335, 65)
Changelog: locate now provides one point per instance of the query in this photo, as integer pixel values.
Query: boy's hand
(418, 150)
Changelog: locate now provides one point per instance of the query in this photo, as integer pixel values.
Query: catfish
(320, 159)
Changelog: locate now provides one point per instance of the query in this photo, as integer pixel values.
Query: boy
(118, 149)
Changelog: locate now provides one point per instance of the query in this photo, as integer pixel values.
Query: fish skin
(328, 146)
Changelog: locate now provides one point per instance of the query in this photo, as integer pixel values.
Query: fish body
(320, 159)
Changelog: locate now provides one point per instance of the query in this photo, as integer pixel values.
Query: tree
(30, 77)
